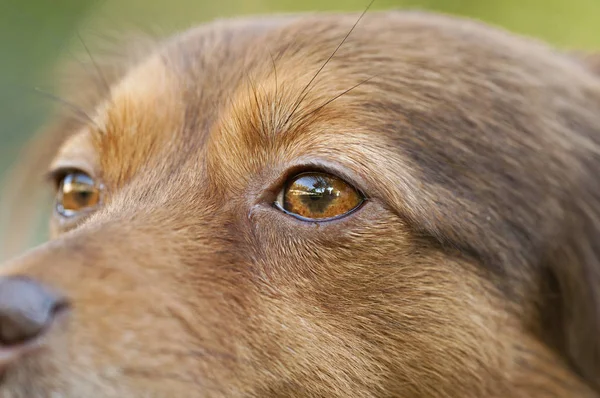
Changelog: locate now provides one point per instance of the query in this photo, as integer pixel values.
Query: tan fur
(471, 271)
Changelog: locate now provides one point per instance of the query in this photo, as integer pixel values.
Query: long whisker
(96, 67)
(306, 90)
(337, 97)
(255, 128)
(77, 111)
(257, 102)
(275, 73)
(275, 101)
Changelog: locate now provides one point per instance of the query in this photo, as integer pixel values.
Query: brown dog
(293, 207)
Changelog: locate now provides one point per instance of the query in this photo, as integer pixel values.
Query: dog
(394, 204)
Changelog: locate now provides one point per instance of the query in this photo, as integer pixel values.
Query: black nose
(27, 308)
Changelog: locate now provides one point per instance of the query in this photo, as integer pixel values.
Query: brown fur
(471, 271)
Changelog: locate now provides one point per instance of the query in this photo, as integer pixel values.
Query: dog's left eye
(77, 192)
(318, 196)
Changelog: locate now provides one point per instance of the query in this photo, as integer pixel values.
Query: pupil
(82, 197)
(318, 193)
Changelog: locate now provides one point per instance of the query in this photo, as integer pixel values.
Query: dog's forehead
(222, 79)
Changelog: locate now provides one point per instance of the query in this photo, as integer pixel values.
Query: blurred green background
(35, 34)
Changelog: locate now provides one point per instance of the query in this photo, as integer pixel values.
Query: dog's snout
(27, 308)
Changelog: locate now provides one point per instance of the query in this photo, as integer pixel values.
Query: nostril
(27, 308)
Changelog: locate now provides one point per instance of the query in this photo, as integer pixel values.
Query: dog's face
(247, 213)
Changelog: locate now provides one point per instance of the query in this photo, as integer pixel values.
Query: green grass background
(35, 34)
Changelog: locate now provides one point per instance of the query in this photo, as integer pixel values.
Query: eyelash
(55, 177)
(296, 170)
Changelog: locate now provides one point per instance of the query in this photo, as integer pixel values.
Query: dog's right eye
(77, 193)
(318, 197)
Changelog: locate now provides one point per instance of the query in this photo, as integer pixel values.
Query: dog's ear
(571, 277)
(82, 85)
(572, 298)
(571, 282)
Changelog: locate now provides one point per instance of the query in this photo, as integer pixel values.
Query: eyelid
(317, 167)
(60, 169)
(54, 177)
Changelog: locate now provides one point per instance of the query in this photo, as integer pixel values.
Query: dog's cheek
(372, 308)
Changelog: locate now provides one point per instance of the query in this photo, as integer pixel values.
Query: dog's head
(295, 207)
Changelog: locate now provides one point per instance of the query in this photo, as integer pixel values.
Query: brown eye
(77, 192)
(318, 196)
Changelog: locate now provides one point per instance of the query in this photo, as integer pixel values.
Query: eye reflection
(77, 192)
(319, 196)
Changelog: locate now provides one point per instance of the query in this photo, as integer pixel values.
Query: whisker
(249, 120)
(305, 91)
(96, 67)
(276, 99)
(77, 111)
(337, 97)
(275, 73)
(257, 102)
